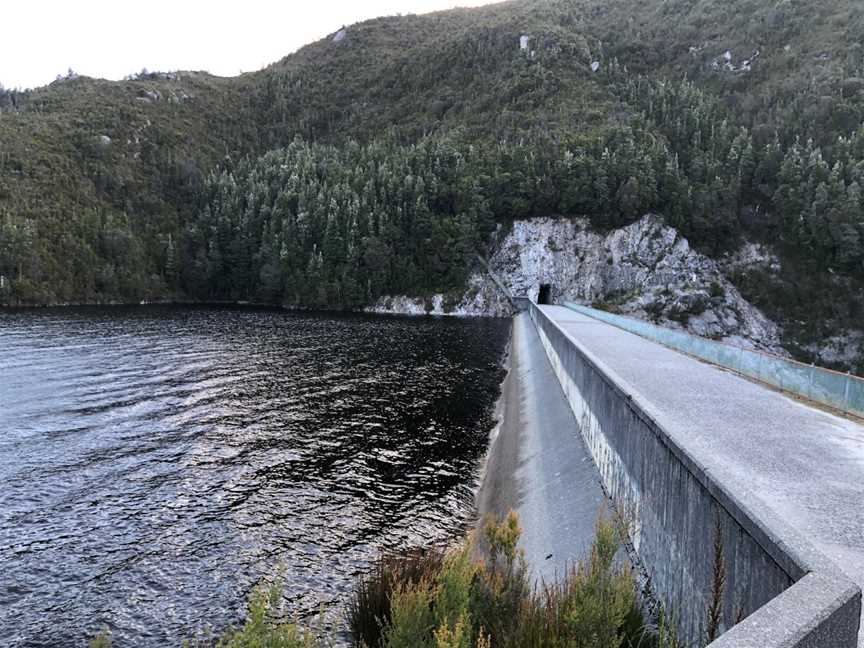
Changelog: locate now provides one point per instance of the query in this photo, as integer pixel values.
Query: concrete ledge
(814, 613)
(537, 466)
(789, 593)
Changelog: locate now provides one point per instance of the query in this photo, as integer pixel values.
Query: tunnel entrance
(545, 295)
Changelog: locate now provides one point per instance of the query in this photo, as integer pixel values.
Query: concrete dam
(705, 464)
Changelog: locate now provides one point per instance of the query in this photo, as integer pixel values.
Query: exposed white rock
(178, 97)
(524, 42)
(725, 61)
(340, 36)
(646, 270)
(595, 66)
(751, 256)
(403, 305)
(844, 349)
(149, 96)
(104, 140)
(482, 298)
(747, 65)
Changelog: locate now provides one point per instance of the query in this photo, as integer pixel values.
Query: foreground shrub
(260, 631)
(588, 608)
(459, 601)
(369, 609)
(502, 587)
(433, 611)
(453, 599)
(101, 640)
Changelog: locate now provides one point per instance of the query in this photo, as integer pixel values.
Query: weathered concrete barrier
(841, 391)
(684, 523)
(521, 304)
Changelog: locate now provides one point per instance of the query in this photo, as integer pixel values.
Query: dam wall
(688, 528)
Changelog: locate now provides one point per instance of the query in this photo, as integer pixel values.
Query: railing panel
(841, 391)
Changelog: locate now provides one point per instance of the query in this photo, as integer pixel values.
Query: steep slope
(793, 66)
(95, 176)
(99, 178)
(463, 68)
(380, 159)
(645, 270)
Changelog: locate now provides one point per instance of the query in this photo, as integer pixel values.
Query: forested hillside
(382, 158)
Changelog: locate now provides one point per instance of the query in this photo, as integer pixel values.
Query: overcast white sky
(40, 39)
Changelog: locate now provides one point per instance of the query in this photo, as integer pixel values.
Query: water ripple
(157, 463)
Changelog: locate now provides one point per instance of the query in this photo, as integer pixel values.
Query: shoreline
(366, 310)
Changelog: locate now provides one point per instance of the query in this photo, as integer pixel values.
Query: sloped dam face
(157, 462)
(539, 465)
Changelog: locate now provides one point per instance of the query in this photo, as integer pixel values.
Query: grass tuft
(369, 608)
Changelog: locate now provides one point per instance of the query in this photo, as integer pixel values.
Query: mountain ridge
(737, 122)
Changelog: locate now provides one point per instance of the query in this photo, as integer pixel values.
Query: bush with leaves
(480, 596)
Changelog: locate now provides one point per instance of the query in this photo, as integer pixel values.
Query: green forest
(384, 161)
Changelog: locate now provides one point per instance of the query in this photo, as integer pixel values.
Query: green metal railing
(841, 391)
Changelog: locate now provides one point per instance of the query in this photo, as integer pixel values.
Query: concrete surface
(836, 390)
(797, 472)
(538, 464)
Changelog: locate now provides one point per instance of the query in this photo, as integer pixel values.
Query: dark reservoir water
(157, 463)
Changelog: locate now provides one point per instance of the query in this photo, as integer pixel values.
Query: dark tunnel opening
(545, 295)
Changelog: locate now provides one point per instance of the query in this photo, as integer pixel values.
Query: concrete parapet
(684, 520)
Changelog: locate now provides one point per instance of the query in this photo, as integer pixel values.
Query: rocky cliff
(646, 270)
(482, 298)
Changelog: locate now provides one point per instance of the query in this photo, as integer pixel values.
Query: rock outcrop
(843, 350)
(482, 298)
(645, 270)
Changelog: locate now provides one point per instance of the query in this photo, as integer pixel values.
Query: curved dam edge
(789, 593)
(537, 463)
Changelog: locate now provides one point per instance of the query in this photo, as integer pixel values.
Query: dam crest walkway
(805, 463)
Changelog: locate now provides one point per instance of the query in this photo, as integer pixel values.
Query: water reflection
(157, 462)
